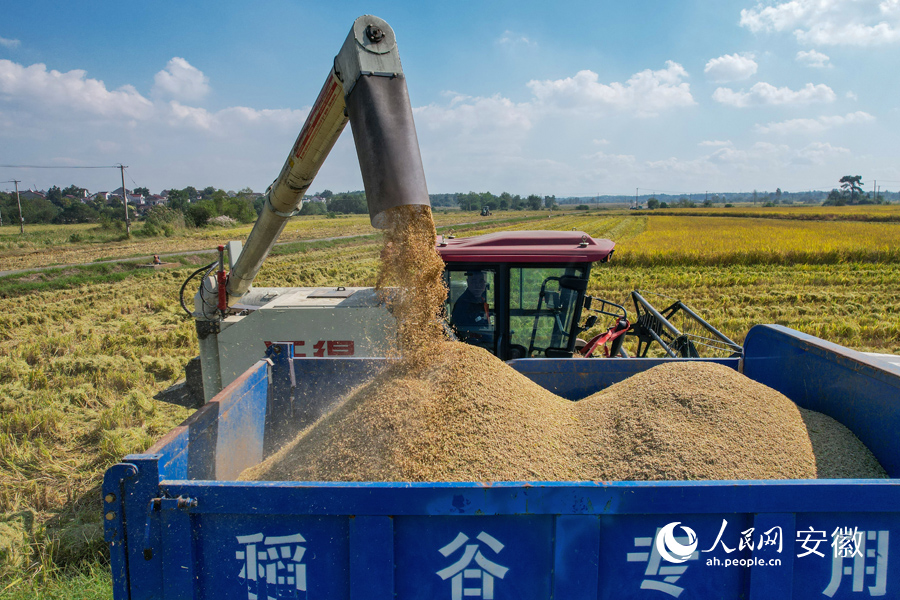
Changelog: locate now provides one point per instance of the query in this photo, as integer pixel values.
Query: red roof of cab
(526, 247)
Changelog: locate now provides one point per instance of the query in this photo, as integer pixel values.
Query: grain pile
(693, 421)
(452, 412)
(839, 453)
(467, 416)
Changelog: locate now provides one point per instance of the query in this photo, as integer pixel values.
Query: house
(31, 195)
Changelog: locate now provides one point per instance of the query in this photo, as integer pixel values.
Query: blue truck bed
(179, 526)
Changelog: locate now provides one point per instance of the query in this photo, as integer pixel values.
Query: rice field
(80, 366)
(866, 212)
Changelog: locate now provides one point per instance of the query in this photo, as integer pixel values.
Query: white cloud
(181, 81)
(612, 161)
(11, 44)
(645, 94)
(816, 125)
(731, 67)
(818, 153)
(542, 145)
(69, 93)
(477, 122)
(766, 94)
(813, 59)
(851, 96)
(510, 38)
(829, 22)
(231, 120)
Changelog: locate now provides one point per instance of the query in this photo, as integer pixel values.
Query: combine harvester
(180, 526)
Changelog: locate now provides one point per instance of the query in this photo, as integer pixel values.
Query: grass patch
(90, 582)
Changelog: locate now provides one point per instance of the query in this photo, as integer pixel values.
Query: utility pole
(125, 199)
(19, 202)
(636, 197)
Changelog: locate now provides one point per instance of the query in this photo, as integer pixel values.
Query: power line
(55, 167)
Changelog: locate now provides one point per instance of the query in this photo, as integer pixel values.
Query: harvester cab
(534, 289)
(523, 294)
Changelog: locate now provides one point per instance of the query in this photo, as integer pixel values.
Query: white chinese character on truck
(272, 566)
(480, 576)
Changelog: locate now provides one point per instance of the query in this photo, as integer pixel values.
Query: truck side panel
(173, 535)
(861, 392)
(555, 540)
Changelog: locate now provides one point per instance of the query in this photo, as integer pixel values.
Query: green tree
(198, 213)
(470, 201)
(533, 202)
(550, 202)
(54, 195)
(178, 199)
(77, 212)
(141, 191)
(313, 208)
(835, 198)
(38, 210)
(192, 193)
(74, 190)
(351, 203)
(652, 203)
(852, 185)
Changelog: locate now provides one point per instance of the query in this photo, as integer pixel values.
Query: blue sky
(570, 98)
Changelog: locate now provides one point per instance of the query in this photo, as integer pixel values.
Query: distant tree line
(190, 206)
(194, 208)
(60, 206)
(476, 201)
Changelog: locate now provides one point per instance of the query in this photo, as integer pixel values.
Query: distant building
(31, 195)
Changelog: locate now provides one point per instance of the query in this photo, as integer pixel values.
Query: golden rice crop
(724, 241)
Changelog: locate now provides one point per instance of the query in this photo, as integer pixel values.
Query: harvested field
(467, 416)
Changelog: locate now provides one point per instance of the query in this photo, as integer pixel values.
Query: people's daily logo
(671, 549)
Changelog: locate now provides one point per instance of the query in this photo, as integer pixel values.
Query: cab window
(541, 310)
(471, 306)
